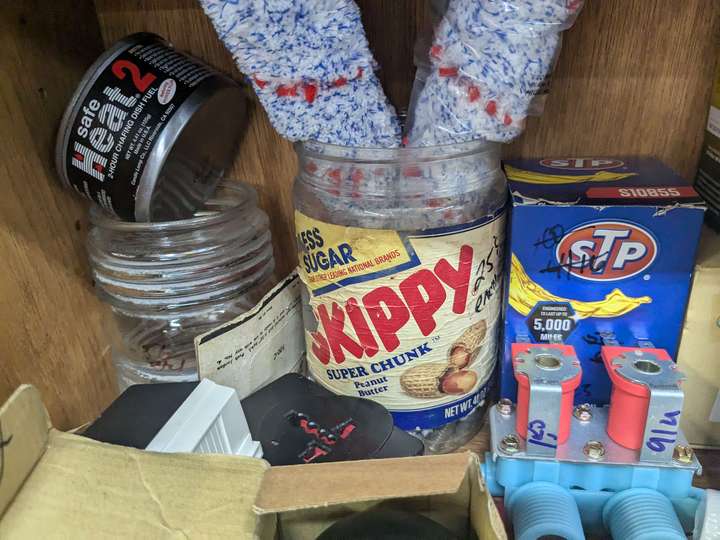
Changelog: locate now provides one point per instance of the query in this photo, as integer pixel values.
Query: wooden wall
(634, 78)
(52, 328)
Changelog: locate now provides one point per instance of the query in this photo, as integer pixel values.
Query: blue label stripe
(437, 416)
(452, 229)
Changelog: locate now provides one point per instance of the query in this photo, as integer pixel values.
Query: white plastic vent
(210, 421)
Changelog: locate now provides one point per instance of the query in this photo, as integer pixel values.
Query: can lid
(193, 152)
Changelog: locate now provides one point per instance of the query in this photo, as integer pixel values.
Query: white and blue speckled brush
(310, 65)
(489, 59)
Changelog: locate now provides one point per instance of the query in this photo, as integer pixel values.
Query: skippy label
(406, 318)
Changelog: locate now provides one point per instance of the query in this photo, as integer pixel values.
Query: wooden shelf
(634, 77)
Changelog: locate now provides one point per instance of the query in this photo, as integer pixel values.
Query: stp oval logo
(606, 251)
(582, 164)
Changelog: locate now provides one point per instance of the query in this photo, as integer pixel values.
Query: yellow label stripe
(525, 294)
(530, 177)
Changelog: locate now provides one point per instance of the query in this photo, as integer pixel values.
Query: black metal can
(150, 131)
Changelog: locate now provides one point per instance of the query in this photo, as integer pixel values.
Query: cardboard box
(55, 484)
(707, 180)
(602, 252)
(699, 346)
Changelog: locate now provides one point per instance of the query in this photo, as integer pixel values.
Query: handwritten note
(537, 435)
(662, 436)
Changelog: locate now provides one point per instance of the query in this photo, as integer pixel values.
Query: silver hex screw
(505, 407)
(594, 450)
(510, 444)
(583, 412)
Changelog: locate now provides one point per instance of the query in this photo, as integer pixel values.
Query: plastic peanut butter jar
(401, 254)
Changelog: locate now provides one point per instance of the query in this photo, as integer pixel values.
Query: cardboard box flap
(60, 485)
(296, 487)
(24, 426)
(697, 357)
(82, 488)
(708, 256)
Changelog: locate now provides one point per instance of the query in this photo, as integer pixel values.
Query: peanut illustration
(459, 382)
(468, 346)
(437, 379)
(459, 357)
(425, 380)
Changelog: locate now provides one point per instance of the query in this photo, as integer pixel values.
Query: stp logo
(582, 164)
(606, 250)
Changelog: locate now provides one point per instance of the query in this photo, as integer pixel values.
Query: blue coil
(543, 509)
(641, 514)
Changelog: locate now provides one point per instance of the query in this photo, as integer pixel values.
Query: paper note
(258, 346)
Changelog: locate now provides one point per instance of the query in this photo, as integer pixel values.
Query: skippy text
(377, 317)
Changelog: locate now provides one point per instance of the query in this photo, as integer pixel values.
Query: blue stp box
(601, 253)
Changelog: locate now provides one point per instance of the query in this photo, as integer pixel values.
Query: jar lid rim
(241, 192)
(326, 151)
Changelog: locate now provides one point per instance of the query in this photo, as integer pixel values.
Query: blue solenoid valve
(572, 471)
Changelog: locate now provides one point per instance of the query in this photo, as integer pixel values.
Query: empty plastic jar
(401, 254)
(168, 282)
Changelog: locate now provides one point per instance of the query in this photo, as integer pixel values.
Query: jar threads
(168, 282)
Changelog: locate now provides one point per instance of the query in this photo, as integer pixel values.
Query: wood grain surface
(633, 78)
(52, 328)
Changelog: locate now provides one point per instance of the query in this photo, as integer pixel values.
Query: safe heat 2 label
(147, 132)
(406, 318)
(119, 117)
